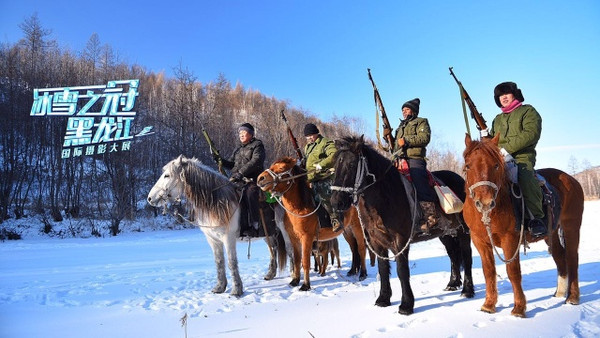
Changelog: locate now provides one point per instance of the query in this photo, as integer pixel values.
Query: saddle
(551, 203)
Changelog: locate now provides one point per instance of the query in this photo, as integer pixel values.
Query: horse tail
(281, 252)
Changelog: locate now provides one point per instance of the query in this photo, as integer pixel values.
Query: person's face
(245, 136)
(406, 112)
(506, 99)
(311, 138)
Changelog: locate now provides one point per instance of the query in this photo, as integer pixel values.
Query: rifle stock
(292, 137)
(475, 114)
(214, 151)
(380, 110)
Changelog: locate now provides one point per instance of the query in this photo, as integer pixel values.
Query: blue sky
(315, 55)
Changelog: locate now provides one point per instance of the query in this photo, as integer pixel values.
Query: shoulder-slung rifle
(214, 151)
(380, 110)
(475, 114)
(292, 138)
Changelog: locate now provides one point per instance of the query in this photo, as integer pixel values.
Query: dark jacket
(248, 159)
(417, 134)
(519, 131)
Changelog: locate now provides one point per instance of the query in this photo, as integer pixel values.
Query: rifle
(380, 110)
(475, 114)
(292, 138)
(213, 151)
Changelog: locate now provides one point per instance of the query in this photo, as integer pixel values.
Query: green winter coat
(519, 132)
(417, 134)
(319, 152)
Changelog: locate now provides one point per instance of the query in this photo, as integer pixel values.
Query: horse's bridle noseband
(361, 172)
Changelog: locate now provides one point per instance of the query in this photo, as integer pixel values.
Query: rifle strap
(464, 107)
(377, 134)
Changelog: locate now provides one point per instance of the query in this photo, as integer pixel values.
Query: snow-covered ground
(140, 284)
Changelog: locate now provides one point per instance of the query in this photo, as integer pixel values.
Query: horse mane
(304, 190)
(379, 165)
(207, 191)
(489, 149)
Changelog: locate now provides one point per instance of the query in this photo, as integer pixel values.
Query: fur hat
(507, 88)
(310, 129)
(247, 127)
(413, 105)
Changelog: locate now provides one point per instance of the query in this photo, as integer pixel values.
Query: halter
(277, 178)
(361, 172)
(485, 216)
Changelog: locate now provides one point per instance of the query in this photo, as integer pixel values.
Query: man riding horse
(246, 163)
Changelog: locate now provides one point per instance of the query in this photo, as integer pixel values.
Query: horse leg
(352, 243)
(489, 273)
(272, 244)
(572, 261)
(230, 242)
(385, 290)
(407, 304)
(306, 243)
(452, 249)
(513, 269)
(466, 254)
(219, 256)
(297, 260)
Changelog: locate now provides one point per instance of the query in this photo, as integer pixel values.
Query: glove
(507, 157)
(317, 167)
(401, 142)
(484, 133)
(236, 177)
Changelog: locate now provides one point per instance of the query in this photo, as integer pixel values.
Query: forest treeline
(36, 180)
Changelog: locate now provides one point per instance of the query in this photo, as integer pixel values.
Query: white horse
(215, 204)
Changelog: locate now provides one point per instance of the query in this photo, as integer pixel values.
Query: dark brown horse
(489, 214)
(366, 179)
(286, 180)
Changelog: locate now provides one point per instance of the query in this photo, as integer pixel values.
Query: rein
(357, 192)
(277, 178)
(486, 220)
(361, 173)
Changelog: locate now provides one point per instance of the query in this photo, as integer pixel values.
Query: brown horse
(285, 179)
(489, 214)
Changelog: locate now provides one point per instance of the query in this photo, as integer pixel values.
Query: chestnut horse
(368, 181)
(285, 180)
(489, 214)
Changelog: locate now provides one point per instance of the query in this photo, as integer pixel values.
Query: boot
(537, 228)
(430, 216)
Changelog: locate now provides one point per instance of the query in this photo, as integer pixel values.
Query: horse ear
(496, 139)
(468, 139)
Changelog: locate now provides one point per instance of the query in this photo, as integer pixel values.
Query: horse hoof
(518, 314)
(351, 273)
(451, 288)
(362, 277)
(383, 303)
(305, 287)
(488, 309)
(237, 293)
(405, 312)
(467, 294)
(218, 289)
(294, 282)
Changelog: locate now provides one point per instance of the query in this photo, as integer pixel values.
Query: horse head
(279, 177)
(484, 172)
(169, 187)
(347, 181)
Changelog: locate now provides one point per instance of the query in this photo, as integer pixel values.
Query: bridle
(485, 215)
(362, 171)
(289, 180)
